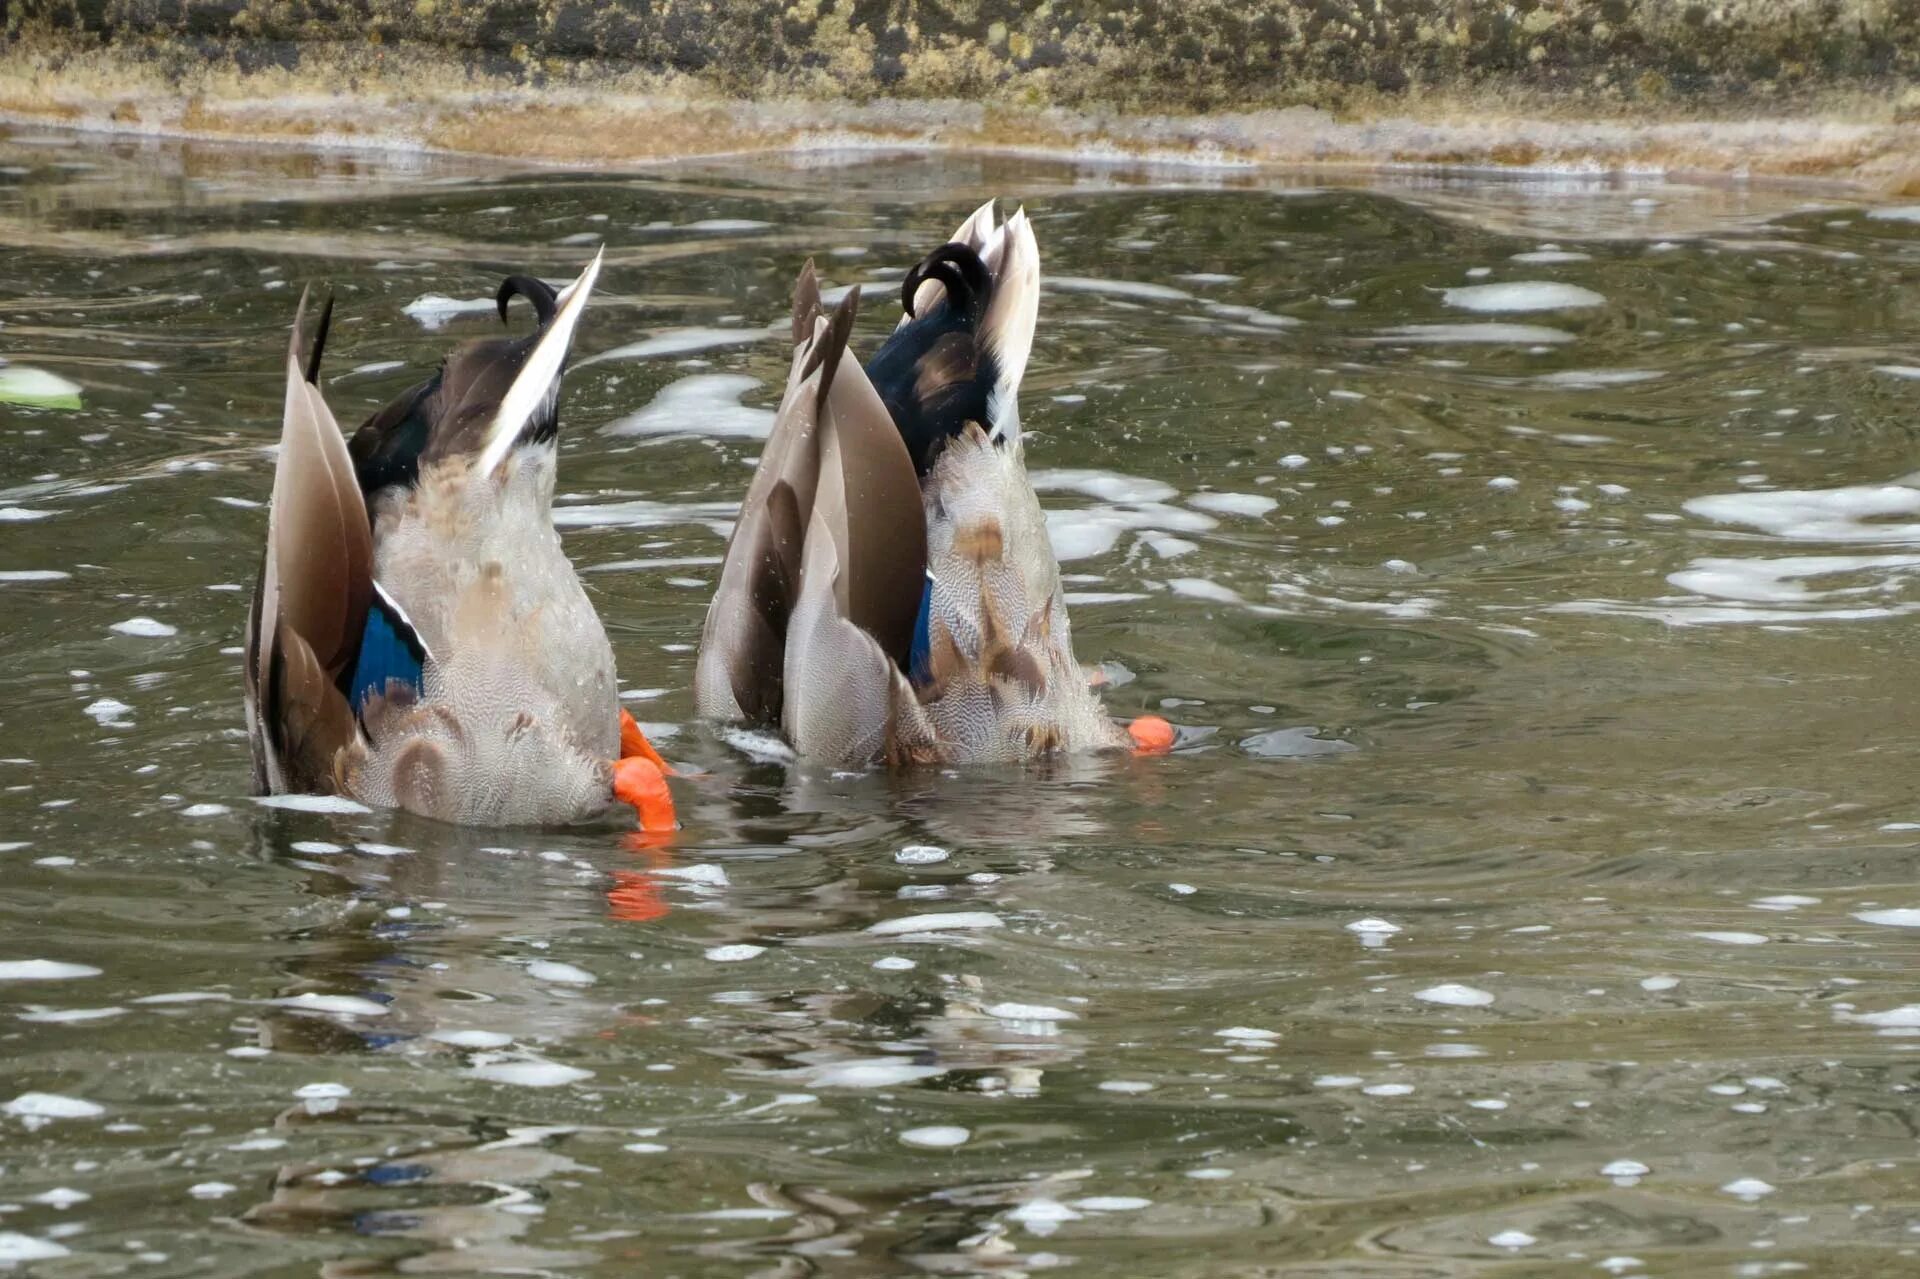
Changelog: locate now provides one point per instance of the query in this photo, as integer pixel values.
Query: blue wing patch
(390, 649)
(919, 659)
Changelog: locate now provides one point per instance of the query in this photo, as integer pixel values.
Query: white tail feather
(1011, 317)
(535, 389)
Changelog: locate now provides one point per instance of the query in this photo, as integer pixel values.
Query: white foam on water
(1731, 937)
(21, 515)
(322, 1092)
(1905, 1017)
(739, 952)
(1893, 917)
(24, 384)
(65, 1016)
(312, 803)
(559, 973)
(1388, 1090)
(1659, 983)
(144, 628)
(679, 342)
(726, 224)
(1132, 289)
(110, 711)
(1095, 530)
(894, 964)
(44, 970)
(705, 874)
(1201, 588)
(952, 921)
(33, 575)
(60, 1197)
(1206, 277)
(52, 1105)
(317, 847)
(920, 855)
(1512, 1239)
(16, 1249)
(1780, 580)
(1522, 295)
(337, 1005)
(1251, 319)
(1455, 995)
(1103, 486)
(1784, 901)
(529, 1074)
(704, 404)
(1594, 379)
(434, 310)
(646, 1148)
(1748, 1188)
(1550, 256)
(1250, 505)
(643, 513)
(1852, 514)
(1909, 371)
(474, 1039)
(757, 745)
(378, 366)
(1467, 334)
(936, 1136)
(870, 1072)
(205, 810)
(1896, 213)
(1030, 1013)
(1042, 1216)
(373, 849)
(1125, 1086)
(1488, 1103)
(1248, 1033)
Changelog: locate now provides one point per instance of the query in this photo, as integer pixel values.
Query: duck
(418, 638)
(888, 595)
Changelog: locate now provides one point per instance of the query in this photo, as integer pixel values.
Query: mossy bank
(1789, 87)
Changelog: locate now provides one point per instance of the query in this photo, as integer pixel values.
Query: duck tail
(532, 397)
(961, 347)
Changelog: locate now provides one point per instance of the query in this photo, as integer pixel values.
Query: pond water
(1527, 563)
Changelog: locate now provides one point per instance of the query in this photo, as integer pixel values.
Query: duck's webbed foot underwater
(640, 778)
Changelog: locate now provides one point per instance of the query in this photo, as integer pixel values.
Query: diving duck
(418, 638)
(889, 594)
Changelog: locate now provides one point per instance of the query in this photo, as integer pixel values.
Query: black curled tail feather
(537, 291)
(934, 373)
(319, 341)
(960, 272)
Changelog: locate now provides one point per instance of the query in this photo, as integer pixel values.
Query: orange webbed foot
(1151, 735)
(634, 743)
(639, 781)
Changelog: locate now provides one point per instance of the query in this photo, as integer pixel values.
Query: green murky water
(1532, 895)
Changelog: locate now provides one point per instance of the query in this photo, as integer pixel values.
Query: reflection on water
(1526, 564)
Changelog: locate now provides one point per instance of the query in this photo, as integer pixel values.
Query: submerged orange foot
(639, 781)
(1151, 735)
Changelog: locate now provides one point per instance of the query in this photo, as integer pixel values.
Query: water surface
(1533, 892)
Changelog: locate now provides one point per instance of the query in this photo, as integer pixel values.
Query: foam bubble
(559, 973)
(1456, 995)
(953, 921)
(936, 1136)
(1463, 334)
(529, 1074)
(145, 628)
(434, 310)
(1522, 295)
(44, 970)
(679, 342)
(705, 404)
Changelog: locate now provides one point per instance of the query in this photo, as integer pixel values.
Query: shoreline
(601, 118)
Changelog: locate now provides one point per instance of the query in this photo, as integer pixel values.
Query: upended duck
(418, 638)
(888, 593)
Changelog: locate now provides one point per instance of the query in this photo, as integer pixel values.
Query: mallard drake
(889, 593)
(418, 638)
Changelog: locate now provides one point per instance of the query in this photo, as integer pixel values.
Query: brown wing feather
(310, 608)
(879, 523)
